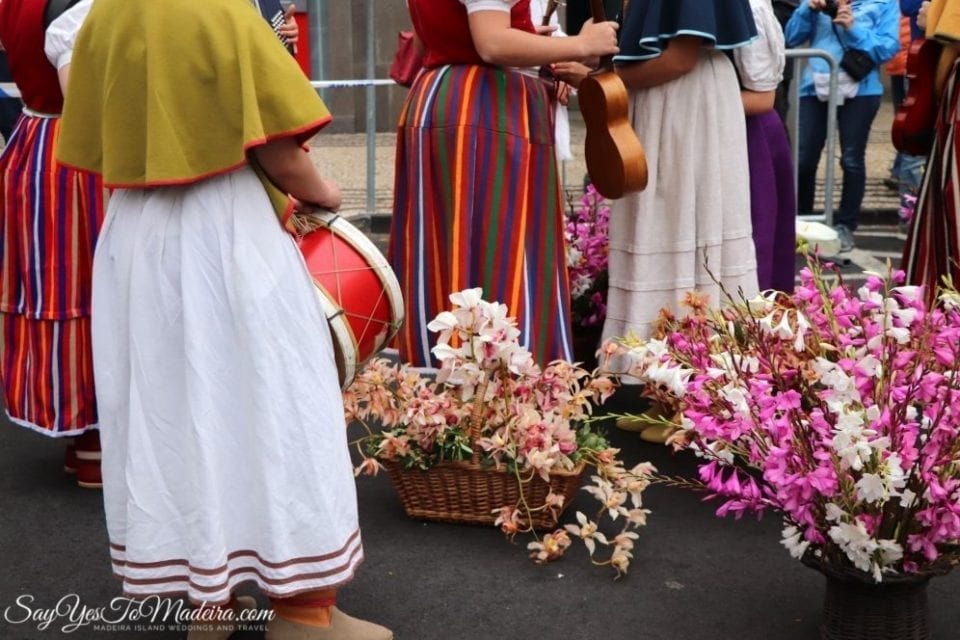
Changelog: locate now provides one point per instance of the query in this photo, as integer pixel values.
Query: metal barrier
(793, 57)
(317, 10)
(371, 83)
(10, 90)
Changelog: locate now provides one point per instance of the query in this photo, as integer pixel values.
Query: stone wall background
(344, 52)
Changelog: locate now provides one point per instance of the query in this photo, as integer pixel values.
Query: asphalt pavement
(694, 577)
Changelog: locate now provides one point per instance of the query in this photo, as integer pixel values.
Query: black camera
(830, 8)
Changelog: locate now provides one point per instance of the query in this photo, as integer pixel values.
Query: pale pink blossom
(492, 401)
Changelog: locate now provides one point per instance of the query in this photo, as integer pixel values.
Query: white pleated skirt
(224, 444)
(693, 219)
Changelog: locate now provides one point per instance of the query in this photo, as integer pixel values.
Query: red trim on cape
(315, 127)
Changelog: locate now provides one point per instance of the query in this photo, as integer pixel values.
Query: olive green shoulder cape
(174, 91)
(943, 21)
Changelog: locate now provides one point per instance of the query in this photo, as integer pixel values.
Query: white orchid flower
(871, 488)
(906, 316)
(468, 298)
(794, 542)
(763, 302)
(834, 513)
(803, 325)
(900, 334)
(867, 295)
(444, 320)
(950, 300)
(783, 330)
(871, 366)
(909, 292)
(907, 498)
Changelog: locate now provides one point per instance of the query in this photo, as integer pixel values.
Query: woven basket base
(858, 608)
(465, 493)
(855, 611)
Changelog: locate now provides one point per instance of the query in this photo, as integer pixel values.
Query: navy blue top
(650, 24)
(911, 9)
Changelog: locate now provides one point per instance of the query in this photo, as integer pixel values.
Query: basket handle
(474, 423)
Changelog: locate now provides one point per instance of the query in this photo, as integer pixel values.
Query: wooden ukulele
(915, 124)
(614, 155)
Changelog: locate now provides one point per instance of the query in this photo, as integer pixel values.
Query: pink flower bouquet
(586, 234)
(839, 410)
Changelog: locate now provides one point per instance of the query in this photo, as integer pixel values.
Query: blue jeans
(854, 118)
(907, 170)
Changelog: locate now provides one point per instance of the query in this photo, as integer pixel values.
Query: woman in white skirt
(225, 458)
(693, 220)
(690, 229)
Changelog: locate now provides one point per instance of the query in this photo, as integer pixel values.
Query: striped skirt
(477, 203)
(49, 218)
(933, 244)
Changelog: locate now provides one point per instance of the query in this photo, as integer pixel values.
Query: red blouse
(443, 28)
(22, 34)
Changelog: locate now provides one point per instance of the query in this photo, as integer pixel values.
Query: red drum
(357, 288)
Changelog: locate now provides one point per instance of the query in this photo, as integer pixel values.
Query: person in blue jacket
(868, 25)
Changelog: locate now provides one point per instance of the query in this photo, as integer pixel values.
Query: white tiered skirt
(224, 444)
(694, 217)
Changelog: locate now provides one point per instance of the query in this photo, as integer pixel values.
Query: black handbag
(856, 62)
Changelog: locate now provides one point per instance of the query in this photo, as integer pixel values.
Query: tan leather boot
(342, 627)
(222, 629)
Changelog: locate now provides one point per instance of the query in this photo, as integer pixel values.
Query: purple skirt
(772, 204)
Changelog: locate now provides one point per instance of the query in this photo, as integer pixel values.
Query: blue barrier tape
(342, 84)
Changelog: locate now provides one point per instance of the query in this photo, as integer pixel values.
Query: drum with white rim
(357, 288)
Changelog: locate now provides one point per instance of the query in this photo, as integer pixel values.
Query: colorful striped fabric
(932, 249)
(47, 372)
(477, 203)
(48, 230)
(49, 219)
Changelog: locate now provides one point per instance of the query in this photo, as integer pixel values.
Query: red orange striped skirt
(49, 219)
(932, 249)
(477, 203)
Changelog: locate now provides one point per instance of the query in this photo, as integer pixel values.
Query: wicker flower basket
(857, 608)
(467, 493)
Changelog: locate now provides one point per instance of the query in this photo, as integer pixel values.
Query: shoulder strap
(839, 38)
(55, 8)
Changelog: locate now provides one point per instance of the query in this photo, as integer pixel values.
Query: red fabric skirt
(49, 219)
(932, 250)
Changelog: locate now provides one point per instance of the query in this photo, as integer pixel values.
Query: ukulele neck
(599, 14)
